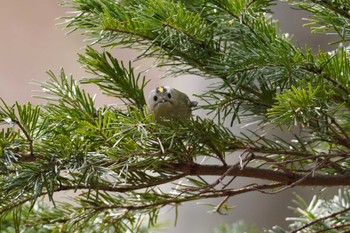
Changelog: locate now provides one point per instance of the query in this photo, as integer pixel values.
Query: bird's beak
(162, 101)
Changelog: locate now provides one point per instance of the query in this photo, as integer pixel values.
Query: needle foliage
(121, 167)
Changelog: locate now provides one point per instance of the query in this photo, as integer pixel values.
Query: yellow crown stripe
(160, 89)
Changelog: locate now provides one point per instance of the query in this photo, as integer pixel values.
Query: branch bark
(194, 169)
(260, 173)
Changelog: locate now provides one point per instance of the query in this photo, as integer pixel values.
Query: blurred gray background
(31, 43)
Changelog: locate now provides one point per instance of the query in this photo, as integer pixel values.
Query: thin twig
(225, 174)
(221, 204)
(302, 179)
(320, 220)
(342, 130)
(178, 200)
(278, 164)
(243, 165)
(336, 228)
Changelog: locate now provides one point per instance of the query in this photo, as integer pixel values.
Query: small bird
(169, 103)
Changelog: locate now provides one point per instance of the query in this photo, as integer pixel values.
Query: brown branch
(121, 189)
(301, 180)
(262, 150)
(100, 187)
(211, 194)
(259, 173)
(28, 157)
(287, 178)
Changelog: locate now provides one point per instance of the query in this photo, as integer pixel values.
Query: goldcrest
(168, 103)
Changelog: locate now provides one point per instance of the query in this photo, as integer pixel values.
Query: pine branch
(120, 159)
(320, 215)
(194, 169)
(331, 17)
(113, 78)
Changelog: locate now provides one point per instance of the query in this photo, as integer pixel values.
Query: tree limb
(259, 173)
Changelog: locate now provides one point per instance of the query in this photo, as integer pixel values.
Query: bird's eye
(169, 95)
(155, 98)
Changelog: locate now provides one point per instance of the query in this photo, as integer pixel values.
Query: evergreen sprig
(320, 215)
(113, 77)
(328, 17)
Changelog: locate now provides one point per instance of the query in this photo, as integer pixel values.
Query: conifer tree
(118, 159)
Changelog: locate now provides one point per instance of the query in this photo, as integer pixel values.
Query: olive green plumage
(168, 103)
